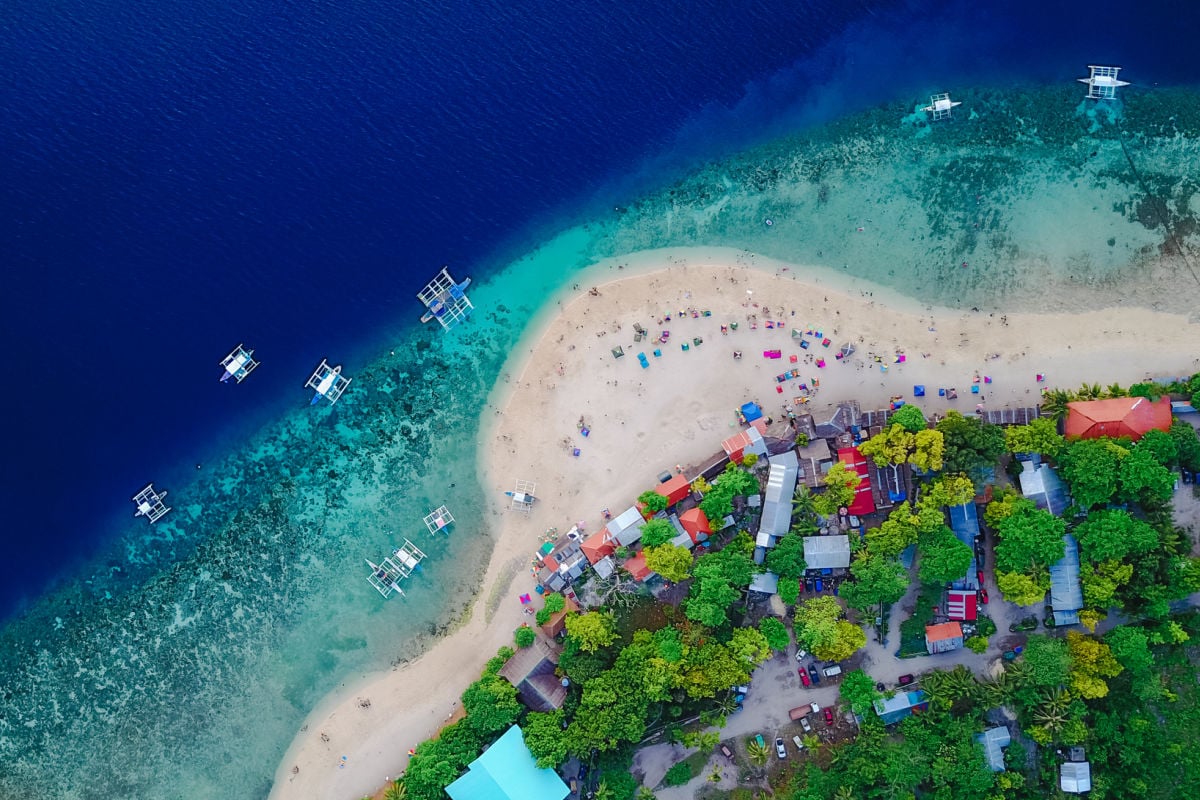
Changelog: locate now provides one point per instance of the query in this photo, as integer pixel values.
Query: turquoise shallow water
(183, 663)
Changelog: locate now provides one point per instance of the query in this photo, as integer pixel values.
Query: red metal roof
(944, 630)
(696, 523)
(863, 502)
(1119, 416)
(675, 489)
(962, 605)
(598, 545)
(636, 567)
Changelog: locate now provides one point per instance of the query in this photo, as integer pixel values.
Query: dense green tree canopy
(821, 630)
(948, 490)
(1143, 479)
(775, 633)
(1161, 445)
(1039, 436)
(653, 501)
(656, 532)
(943, 557)
(910, 418)
(789, 590)
(786, 558)
(858, 690)
(876, 580)
(592, 630)
(545, 738)
(1030, 540)
(1089, 467)
(1108, 535)
(1022, 589)
(971, 445)
(491, 705)
(1048, 661)
(1187, 444)
(670, 561)
(840, 485)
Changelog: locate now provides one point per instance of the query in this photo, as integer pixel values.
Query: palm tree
(1052, 712)
(998, 690)
(1021, 673)
(604, 791)
(1115, 390)
(1090, 392)
(397, 791)
(1054, 403)
(757, 753)
(843, 793)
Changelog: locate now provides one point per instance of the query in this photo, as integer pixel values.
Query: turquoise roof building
(507, 771)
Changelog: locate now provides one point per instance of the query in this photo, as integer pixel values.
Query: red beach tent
(863, 502)
(1119, 416)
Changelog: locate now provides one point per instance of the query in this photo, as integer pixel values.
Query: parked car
(801, 654)
(744, 688)
(833, 671)
(804, 679)
(780, 750)
(725, 751)
(816, 709)
(759, 740)
(983, 596)
(796, 741)
(980, 576)
(574, 784)
(804, 724)
(905, 680)
(828, 716)
(812, 673)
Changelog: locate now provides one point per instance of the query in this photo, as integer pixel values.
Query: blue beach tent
(918, 391)
(751, 411)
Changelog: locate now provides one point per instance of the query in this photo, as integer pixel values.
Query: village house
(943, 637)
(1117, 417)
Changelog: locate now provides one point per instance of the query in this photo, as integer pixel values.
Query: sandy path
(677, 411)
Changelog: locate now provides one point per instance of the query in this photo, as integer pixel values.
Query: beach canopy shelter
(675, 489)
(508, 771)
(1116, 417)
(751, 411)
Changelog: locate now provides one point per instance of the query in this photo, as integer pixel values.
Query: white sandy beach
(677, 411)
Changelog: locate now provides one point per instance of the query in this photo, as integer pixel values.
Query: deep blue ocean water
(178, 177)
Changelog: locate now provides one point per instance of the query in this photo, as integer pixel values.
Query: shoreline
(681, 407)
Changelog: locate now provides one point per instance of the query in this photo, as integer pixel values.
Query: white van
(830, 672)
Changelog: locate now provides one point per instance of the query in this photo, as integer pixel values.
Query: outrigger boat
(386, 576)
(150, 504)
(328, 383)
(238, 364)
(445, 300)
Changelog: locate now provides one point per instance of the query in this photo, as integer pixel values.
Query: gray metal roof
(1076, 777)
(627, 527)
(765, 582)
(776, 517)
(1066, 592)
(964, 521)
(1041, 485)
(827, 552)
(993, 741)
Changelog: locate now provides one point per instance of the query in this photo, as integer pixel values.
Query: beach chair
(685, 347)
(657, 353)
(697, 341)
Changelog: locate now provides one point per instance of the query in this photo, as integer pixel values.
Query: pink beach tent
(772, 354)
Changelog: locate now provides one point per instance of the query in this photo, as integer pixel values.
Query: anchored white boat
(445, 300)
(1102, 82)
(387, 576)
(328, 383)
(940, 106)
(238, 364)
(439, 520)
(150, 504)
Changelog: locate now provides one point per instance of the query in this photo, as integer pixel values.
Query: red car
(804, 677)
(980, 576)
(983, 596)
(828, 717)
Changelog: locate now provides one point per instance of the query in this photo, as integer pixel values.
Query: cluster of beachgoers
(595, 427)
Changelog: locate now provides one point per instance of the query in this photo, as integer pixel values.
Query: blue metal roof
(1066, 591)
(507, 771)
(1042, 485)
(894, 709)
(964, 521)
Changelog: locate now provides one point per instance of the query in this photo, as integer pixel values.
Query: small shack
(943, 637)
(750, 440)
(696, 523)
(962, 605)
(531, 671)
(827, 552)
(1042, 485)
(964, 521)
(894, 709)
(598, 546)
(994, 740)
(1075, 777)
(776, 517)
(636, 566)
(558, 620)
(677, 488)
(626, 529)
